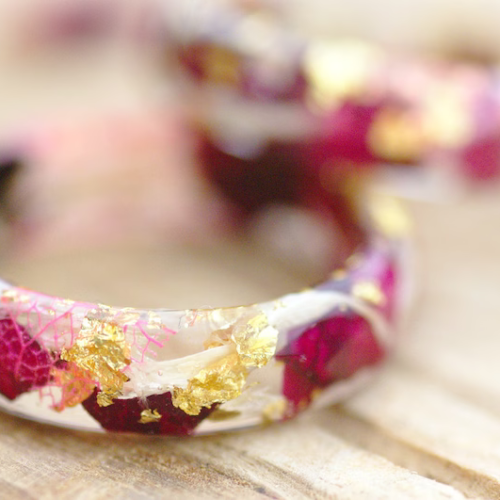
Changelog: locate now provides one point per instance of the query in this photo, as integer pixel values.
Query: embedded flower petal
(24, 364)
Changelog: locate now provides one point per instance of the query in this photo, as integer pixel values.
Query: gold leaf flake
(369, 292)
(255, 344)
(154, 321)
(389, 216)
(255, 341)
(218, 338)
(218, 383)
(396, 136)
(102, 351)
(75, 384)
(222, 66)
(106, 398)
(447, 120)
(63, 303)
(150, 416)
(339, 274)
(9, 295)
(339, 70)
(275, 411)
(127, 316)
(13, 295)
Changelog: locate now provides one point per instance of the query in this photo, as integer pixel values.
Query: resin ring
(185, 372)
(342, 101)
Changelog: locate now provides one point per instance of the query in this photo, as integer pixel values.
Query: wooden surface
(428, 428)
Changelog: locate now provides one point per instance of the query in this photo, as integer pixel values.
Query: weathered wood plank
(454, 329)
(420, 425)
(294, 461)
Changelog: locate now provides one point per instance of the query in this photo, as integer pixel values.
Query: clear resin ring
(197, 371)
(342, 100)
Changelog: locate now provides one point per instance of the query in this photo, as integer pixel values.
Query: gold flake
(63, 303)
(102, 351)
(354, 261)
(13, 295)
(316, 394)
(255, 343)
(369, 292)
(339, 70)
(75, 384)
(150, 416)
(127, 316)
(218, 383)
(218, 338)
(396, 136)
(105, 398)
(10, 295)
(389, 216)
(339, 274)
(154, 321)
(446, 118)
(279, 304)
(275, 411)
(221, 66)
(304, 404)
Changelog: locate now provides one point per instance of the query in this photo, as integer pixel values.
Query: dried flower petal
(331, 350)
(126, 414)
(24, 364)
(75, 384)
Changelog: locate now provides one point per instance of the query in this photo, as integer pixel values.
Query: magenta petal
(124, 415)
(24, 364)
(345, 136)
(481, 159)
(332, 350)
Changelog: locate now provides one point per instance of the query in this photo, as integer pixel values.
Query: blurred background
(61, 56)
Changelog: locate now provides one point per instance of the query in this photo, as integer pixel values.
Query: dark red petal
(124, 415)
(24, 364)
(273, 175)
(332, 350)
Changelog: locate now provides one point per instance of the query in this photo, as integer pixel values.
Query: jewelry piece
(336, 102)
(94, 367)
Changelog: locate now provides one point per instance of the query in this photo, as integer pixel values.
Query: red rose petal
(24, 364)
(332, 350)
(124, 415)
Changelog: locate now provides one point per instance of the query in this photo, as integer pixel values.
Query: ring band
(199, 371)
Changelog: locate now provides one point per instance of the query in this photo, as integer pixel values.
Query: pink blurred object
(108, 179)
(57, 22)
